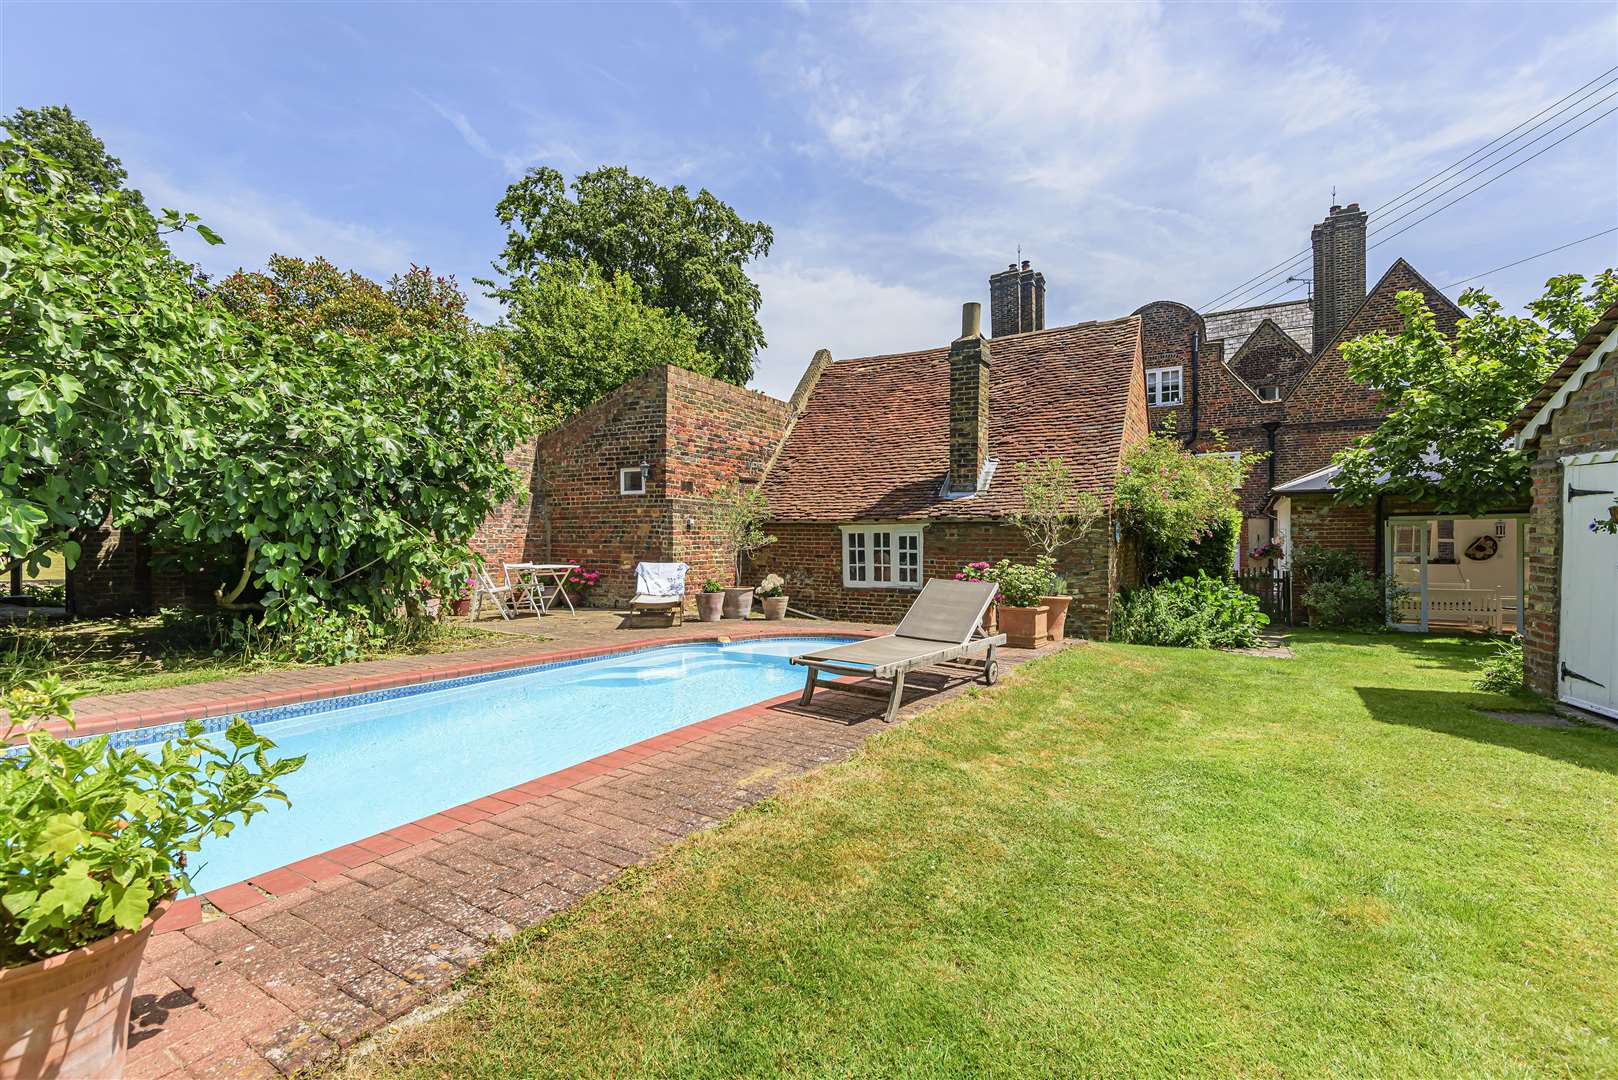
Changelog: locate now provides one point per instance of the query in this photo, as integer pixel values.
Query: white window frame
(888, 556)
(1154, 383)
(1234, 455)
(624, 474)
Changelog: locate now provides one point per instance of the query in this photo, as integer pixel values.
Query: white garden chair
(503, 595)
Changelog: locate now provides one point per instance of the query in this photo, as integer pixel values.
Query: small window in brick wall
(882, 557)
(631, 481)
(1163, 386)
(1269, 393)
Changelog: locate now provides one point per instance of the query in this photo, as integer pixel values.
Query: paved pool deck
(283, 971)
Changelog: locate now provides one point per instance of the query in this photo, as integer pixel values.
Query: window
(882, 556)
(1234, 455)
(1269, 393)
(631, 481)
(1163, 386)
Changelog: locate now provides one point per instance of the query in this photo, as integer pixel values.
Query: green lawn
(99, 656)
(1121, 861)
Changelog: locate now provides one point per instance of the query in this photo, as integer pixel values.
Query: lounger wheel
(991, 672)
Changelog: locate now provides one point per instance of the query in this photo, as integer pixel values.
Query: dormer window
(1163, 386)
(1269, 393)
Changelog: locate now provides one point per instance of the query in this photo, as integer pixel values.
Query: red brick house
(1570, 643)
(903, 467)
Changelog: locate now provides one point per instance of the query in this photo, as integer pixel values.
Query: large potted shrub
(981, 571)
(736, 516)
(1023, 614)
(93, 847)
(1054, 514)
(772, 596)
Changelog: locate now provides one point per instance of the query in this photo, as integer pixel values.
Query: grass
(1122, 861)
(102, 656)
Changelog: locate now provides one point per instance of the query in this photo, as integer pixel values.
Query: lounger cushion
(660, 578)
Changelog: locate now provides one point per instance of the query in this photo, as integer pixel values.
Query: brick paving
(266, 977)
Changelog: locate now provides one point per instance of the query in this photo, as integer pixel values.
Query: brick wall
(809, 556)
(112, 576)
(1322, 521)
(1589, 421)
(694, 432)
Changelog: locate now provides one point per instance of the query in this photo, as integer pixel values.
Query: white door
(1588, 666)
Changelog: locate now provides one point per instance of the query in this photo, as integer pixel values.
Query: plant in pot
(736, 516)
(93, 848)
(1024, 616)
(772, 594)
(460, 601)
(711, 601)
(980, 571)
(580, 582)
(1055, 513)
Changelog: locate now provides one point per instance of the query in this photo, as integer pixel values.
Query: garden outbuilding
(1570, 645)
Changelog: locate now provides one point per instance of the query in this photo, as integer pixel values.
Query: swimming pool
(379, 760)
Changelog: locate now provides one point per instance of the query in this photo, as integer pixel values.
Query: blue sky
(902, 152)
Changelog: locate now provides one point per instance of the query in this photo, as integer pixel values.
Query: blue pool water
(378, 765)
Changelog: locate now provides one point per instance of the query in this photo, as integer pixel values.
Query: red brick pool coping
(102, 713)
(424, 832)
(284, 880)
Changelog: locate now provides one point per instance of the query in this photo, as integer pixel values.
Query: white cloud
(814, 306)
(257, 224)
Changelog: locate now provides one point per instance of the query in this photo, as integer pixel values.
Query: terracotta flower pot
(461, 606)
(68, 1015)
(1024, 627)
(710, 606)
(738, 602)
(1056, 622)
(989, 622)
(775, 607)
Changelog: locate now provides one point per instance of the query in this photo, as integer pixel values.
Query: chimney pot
(971, 320)
(1016, 300)
(1025, 264)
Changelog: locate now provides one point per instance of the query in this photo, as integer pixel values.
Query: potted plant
(737, 515)
(1055, 513)
(711, 601)
(1023, 614)
(980, 571)
(96, 850)
(772, 594)
(580, 581)
(1270, 549)
(460, 602)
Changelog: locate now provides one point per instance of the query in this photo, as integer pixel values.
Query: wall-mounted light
(690, 522)
(645, 469)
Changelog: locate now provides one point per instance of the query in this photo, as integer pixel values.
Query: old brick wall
(505, 535)
(809, 556)
(716, 433)
(1322, 521)
(112, 576)
(1589, 421)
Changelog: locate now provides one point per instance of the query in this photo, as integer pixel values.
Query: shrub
(1502, 673)
(1171, 499)
(712, 586)
(1195, 612)
(1357, 601)
(1214, 554)
(92, 836)
(1022, 585)
(1315, 563)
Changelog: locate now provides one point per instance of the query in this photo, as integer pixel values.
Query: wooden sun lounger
(943, 626)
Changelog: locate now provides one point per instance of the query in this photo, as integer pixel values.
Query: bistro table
(547, 581)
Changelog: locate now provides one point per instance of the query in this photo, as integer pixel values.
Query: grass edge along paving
(1123, 860)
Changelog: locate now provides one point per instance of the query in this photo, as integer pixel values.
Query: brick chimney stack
(1339, 250)
(1016, 300)
(968, 403)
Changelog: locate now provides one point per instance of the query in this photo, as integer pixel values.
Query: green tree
(1450, 399)
(1055, 512)
(575, 334)
(56, 133)
(303, 297)
(687, 254)
(105, 349)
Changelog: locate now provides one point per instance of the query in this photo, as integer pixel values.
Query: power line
(1396, 200)
(1264, 279)
(1492, 179)
(1531, 258)
(1473, 175)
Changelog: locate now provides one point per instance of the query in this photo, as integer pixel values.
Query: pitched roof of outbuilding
(872, 441)
(1589, 343)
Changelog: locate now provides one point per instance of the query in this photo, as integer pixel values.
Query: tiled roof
(1588, 344)
(872, 442)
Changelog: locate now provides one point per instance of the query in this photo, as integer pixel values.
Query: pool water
(373, 767)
